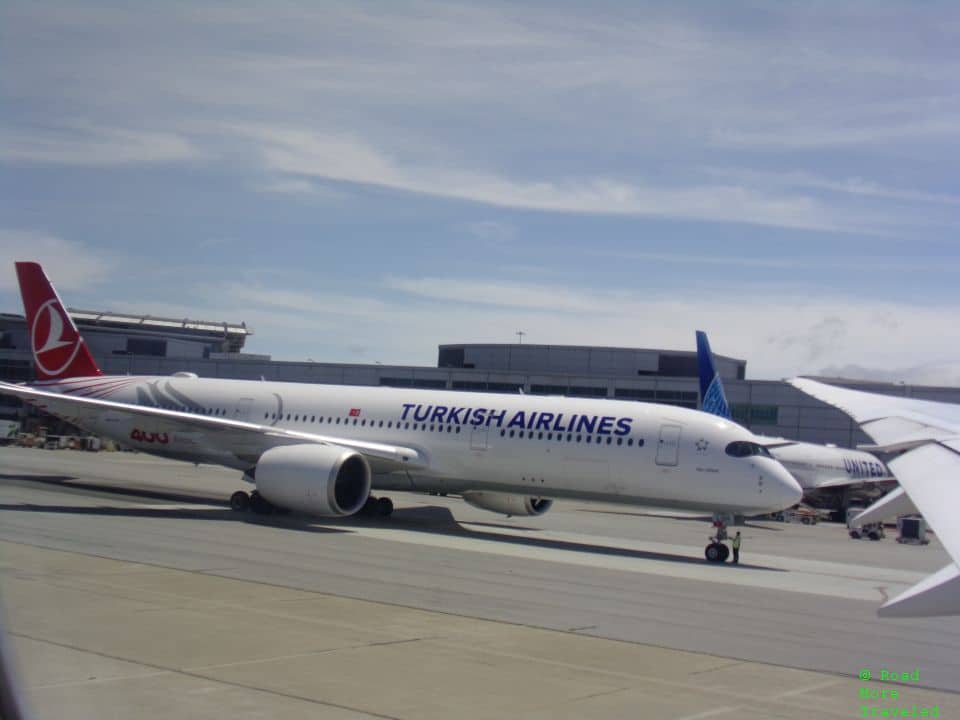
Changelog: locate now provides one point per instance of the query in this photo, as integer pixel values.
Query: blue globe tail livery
(712, 398)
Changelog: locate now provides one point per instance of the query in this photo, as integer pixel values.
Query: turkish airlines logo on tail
(55, 342)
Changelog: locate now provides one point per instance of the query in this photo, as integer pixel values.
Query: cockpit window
(743, 448)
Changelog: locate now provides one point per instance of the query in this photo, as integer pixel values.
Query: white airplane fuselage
(552, 447)
(815, 466)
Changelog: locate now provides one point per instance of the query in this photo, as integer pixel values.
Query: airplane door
(479, 437)
(668, 449)
(242, 410)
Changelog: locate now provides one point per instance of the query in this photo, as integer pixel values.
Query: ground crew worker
(736, 548)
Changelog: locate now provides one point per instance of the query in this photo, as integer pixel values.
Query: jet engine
(507, 503)
(323, 480)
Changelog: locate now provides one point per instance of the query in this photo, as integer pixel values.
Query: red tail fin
(58, 350)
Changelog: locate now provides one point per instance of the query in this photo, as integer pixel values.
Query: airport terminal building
(145, 345)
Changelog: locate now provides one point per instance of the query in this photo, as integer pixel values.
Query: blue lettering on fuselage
(530, 420)
(863, 468)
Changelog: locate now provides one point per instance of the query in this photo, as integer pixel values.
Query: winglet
(58, 349)
(712, 398)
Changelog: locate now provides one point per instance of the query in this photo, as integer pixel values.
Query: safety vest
(736, 543)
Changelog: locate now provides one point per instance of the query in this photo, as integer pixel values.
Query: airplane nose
(783, 487)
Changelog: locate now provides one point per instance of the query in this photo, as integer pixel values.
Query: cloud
(70, 265)
(799, 137)
(345, 158)
(850, 186)
(494, 232)
(93, 146)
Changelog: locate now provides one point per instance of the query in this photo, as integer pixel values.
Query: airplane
(828, 475)
(927, 436)
(321, 449)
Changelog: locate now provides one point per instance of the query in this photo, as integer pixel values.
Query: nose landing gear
(717, 551)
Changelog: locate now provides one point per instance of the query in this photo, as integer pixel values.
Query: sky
(360, 182)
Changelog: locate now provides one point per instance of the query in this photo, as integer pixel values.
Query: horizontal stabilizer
(937, 594)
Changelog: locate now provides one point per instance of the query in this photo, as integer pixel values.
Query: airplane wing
(248, 440)
(928, 433)
(896, 502)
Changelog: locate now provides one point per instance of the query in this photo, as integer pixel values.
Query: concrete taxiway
(132, 591)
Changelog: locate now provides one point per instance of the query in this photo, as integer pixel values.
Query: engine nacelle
(321, 480)
(507, 503)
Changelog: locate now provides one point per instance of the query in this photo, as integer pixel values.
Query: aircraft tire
(384, 507)
(259, 504)
(724, 552)
(240, 501)
(713, 552)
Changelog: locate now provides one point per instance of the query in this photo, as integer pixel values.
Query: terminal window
(146, 346)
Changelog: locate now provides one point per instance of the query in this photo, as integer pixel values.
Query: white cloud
(495, 232)
(69, 265)
(93, 146)
(303, 153)
(851, 185)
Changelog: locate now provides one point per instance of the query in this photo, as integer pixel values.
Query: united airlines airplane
(828, 475)
(320, 449)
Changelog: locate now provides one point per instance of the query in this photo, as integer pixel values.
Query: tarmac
(131, 590)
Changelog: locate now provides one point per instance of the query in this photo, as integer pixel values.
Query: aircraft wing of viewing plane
(320, 449)
(817, 468)
(928, 435)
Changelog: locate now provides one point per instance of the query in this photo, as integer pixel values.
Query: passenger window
(630, 442)
(640, 442)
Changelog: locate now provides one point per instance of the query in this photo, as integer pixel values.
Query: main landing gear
(254, 502)
(717, 551)
(381, 507)
(240, 501)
